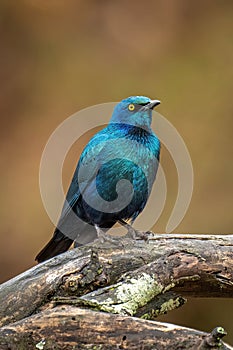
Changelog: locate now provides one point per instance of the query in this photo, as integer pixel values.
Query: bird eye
(131, 107)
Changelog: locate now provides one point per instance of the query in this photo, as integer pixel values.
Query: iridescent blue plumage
(127, 149)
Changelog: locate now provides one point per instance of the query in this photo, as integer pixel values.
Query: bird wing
(90, 160)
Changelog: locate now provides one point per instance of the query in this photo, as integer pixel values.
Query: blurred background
(58, 57)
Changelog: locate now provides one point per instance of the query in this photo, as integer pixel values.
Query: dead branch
(67, 327)
(131, 279)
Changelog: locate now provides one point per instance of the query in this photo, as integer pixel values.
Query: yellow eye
(131, 107)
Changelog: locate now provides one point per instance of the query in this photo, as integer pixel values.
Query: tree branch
(69, 328)
(132, 278)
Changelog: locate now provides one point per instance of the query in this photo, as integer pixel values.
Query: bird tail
(58, 244)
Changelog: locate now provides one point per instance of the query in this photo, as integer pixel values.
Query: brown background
(58, 57)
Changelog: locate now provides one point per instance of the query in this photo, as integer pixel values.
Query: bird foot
(103, 237)
(135, 234)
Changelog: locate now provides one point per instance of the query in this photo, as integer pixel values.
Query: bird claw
(137, 235)
(103, 237)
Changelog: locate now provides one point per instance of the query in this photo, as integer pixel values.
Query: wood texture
(70, 328)
(132, 278)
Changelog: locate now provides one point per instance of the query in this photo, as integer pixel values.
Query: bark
(130, 278)
(69, 328)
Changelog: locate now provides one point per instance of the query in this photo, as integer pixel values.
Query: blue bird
(113, 178)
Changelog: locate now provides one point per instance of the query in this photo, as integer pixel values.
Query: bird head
(134, 110)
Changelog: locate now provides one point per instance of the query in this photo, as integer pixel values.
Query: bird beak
(152, 104)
